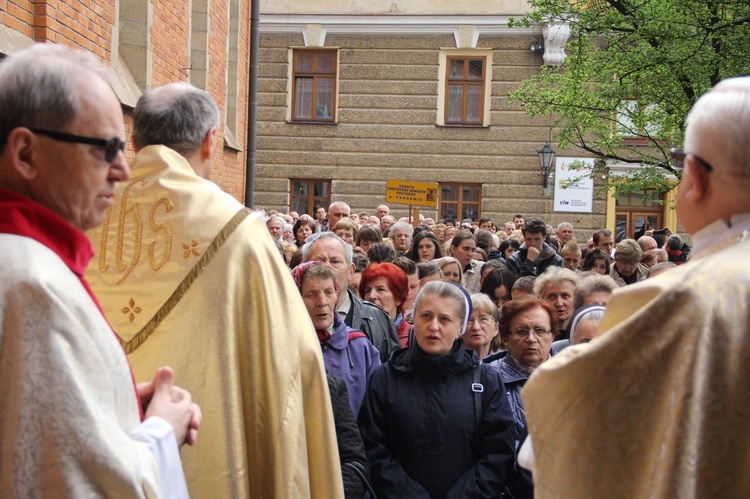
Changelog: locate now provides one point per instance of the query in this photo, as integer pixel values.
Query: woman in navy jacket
(418, 417)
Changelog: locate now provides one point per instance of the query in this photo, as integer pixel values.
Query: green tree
(634, 69)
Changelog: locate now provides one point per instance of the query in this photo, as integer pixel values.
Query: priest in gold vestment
(189, 277)
(658, 404)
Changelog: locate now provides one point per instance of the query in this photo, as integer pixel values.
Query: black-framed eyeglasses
(678, 159)
(111, 146)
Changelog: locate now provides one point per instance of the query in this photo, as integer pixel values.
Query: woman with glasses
(482, 326)
(528, 327)
(429, 429)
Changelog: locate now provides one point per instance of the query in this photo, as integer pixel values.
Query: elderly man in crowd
(401, 235)
(657, 406)
(382, 211)
(71, 417)
(186, 274)
(336, 212)
(565, 233)
(275, 226)
(628, 268)
(385, 224)
(358, 314)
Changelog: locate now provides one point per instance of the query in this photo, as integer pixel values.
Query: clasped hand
(160, 397)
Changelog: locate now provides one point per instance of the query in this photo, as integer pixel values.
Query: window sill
(302, 122)
(457, 125)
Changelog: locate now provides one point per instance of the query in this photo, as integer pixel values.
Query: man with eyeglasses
(186, 274)
(72, 421)
(657, 404)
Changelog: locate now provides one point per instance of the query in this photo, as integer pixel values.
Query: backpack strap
(353, 335)
(478, 388)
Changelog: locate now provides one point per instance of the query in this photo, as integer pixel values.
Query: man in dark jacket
(373, 321)
(534, 256)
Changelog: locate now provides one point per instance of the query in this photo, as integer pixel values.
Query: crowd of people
(348, 354)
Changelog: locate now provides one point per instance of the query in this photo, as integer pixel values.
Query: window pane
(455, 103)
(324, 99)
(456, 68)
(322, 189)
(303, 99)
(448, 210)
(653, 222)
(326, 62)
(620, 227)
(449, 193)
(474, 104)
(471, 193)
(475, 70)
(300, 205)
(304, 60)
(470, 211)
(300, 188)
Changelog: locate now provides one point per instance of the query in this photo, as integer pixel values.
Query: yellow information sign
(416, 193)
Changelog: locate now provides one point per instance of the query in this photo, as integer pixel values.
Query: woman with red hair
(387, 286)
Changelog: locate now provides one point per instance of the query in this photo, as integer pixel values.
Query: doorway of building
(638, 212)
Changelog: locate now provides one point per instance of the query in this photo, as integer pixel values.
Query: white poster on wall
(574, 188)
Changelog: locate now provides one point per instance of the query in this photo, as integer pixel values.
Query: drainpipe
(252, 104)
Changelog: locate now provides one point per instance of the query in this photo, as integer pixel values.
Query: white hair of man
(313, 238)
(342, 205)
(402, 226)
(277, 218)
(720, 122)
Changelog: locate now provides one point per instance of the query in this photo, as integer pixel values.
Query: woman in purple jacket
(347, 353)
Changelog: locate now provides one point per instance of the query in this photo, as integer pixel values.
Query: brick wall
(89, 24)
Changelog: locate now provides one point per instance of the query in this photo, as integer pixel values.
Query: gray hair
(276, 218)
(482, 303)
(40, 87)
(720, 119)
(177, 115)
(593, 283)
(340, 204)
(565, 224)
(444, 289)
(401, 226)
(555, 276)
(313, 238)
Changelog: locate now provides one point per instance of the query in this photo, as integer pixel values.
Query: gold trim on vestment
(179, 292)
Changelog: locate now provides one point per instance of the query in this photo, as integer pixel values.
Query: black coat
(520, 266)
(375, 323)
(417, 422)
(347, 436)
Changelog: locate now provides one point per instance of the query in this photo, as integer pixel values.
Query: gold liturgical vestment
(658, 405)
(188, 278)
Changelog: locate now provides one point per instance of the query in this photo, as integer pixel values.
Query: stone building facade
(151, 43)
(392, 109)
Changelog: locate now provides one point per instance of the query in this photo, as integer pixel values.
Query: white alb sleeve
(158, 436)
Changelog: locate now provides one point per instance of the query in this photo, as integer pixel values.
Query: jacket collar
(413, 358)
